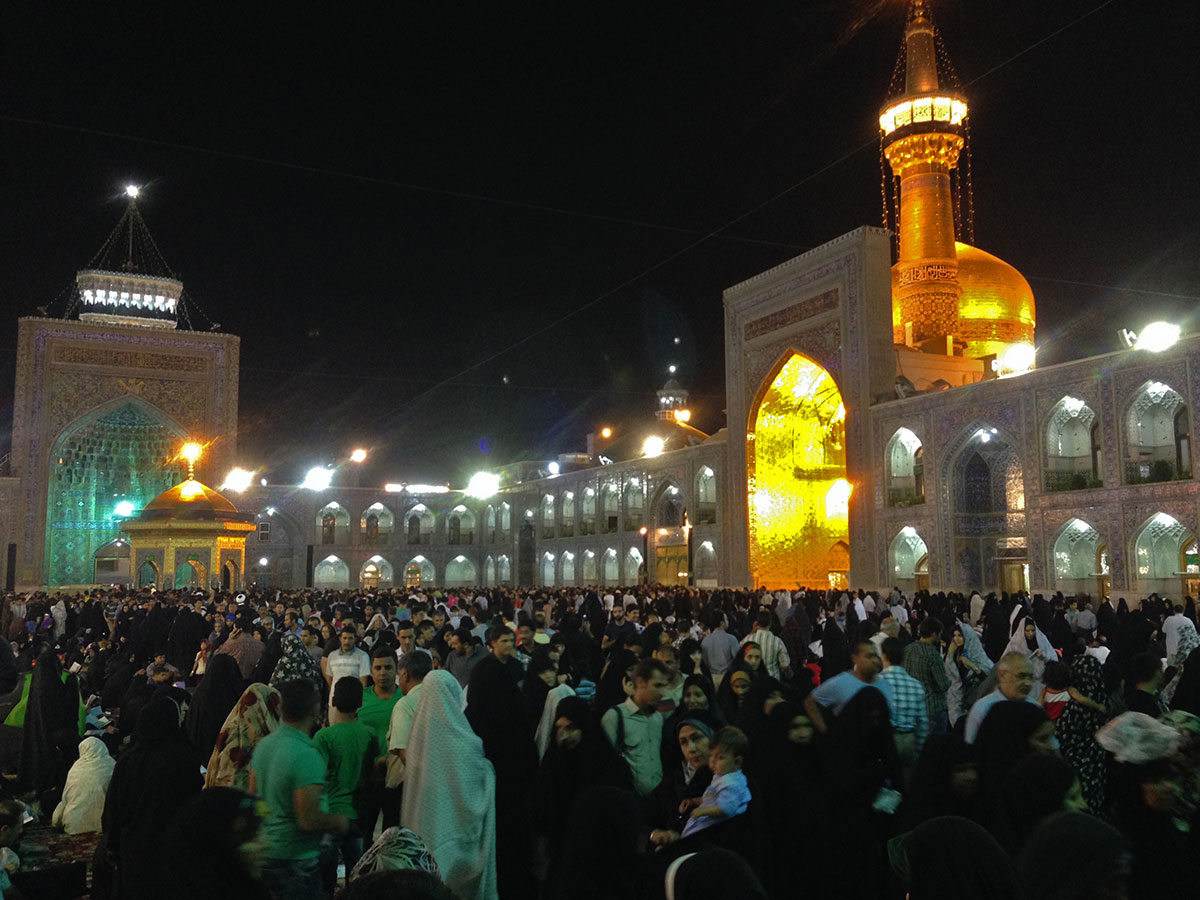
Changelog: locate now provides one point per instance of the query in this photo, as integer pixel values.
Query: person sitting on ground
(82, 803)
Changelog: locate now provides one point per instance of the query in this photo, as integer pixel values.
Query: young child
(728, 794)
(1058, 692)
(350, 750)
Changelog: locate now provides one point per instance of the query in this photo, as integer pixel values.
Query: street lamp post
(691, 556)
(645, 532)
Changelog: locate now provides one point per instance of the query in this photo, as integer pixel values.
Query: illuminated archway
(103, 466)
(796, 477)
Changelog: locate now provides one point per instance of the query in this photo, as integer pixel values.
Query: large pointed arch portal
(797, 492)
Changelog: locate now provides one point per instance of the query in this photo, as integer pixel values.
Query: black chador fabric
(496, 712)
(51, 731)
(219, 690)
(151, 781)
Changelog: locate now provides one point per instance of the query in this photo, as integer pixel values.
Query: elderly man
(1014, 677)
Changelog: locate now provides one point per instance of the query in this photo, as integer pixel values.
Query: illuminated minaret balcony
(128, 282)
(923, 132)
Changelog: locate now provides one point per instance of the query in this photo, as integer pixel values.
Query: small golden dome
(996, 309)
(189, 499)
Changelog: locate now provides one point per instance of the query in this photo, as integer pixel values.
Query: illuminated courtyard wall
(106, 399)
(122, 456)
(796, 481)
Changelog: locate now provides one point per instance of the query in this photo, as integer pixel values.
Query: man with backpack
(635, 726)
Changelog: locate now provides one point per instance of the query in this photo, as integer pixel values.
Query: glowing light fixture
(191, 489)
(606, 432)
(393, 488)
(950, 110)
(683, 415)
(1016, 360)
(359, 455)
(483, 485)
(427, 488)
(123, 509)
(653, 446)
(318, 478)
(132, 190)
(262, 560)
(671, 368)
(237, 480)
(1155, 337)
(553, 468)
(191, 452)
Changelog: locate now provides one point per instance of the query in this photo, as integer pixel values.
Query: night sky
(461, 237)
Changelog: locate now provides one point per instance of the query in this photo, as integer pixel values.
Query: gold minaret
(923, 132)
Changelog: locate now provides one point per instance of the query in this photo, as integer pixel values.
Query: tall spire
(923, 131)
(921, 74)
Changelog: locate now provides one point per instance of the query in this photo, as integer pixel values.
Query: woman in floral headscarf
(296, 663)
(1076, 731)
(254, 717)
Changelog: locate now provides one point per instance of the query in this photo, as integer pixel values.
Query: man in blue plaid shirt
(910, 722)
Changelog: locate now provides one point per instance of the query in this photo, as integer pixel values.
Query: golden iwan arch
(796, 479)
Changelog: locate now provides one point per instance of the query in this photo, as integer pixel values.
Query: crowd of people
(594, 743)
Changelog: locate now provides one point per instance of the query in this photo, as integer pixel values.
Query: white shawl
(450, 790)
(545, 729)
(1016, 644)
(82, 801)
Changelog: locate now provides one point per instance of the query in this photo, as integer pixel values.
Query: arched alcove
(1077, 558)
(1073, 458)
(904, 469)
(796, 465)
(1157, 435)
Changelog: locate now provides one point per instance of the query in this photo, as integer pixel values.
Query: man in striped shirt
(774, 653)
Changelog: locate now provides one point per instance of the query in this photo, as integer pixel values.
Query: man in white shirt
(410, 672)
(347, 660)
(1173, 627)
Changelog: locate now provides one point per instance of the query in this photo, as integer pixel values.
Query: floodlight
(317, 478)
(359, 455)
(483, 485)
(653, 446)
(237, 480)
(1157, 337)
(124, 509)
(1017, 359)
(131, 191)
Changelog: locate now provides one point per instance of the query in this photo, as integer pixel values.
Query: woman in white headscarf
(544, 734)
(82, 802)
(450, 790)
(1029, 640)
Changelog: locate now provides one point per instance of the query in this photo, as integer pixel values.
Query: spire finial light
(131, 191)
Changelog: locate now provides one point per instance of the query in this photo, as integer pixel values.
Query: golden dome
(996, 309)
(191, 500)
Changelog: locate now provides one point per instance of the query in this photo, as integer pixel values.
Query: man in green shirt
(376, 714)
(351, 751)
(289, 774)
